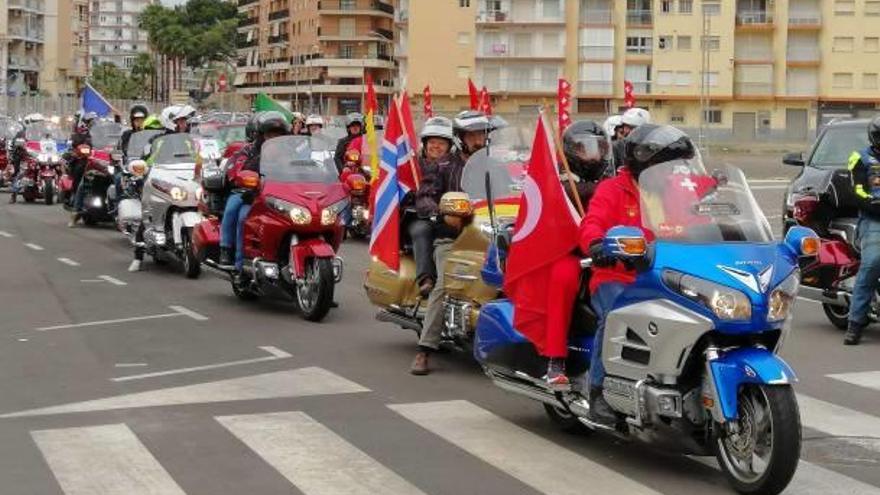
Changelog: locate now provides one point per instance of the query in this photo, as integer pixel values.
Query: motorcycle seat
(847, 228)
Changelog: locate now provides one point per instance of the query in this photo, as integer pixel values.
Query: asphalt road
(121, 383)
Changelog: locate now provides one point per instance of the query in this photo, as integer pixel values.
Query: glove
(597, 253)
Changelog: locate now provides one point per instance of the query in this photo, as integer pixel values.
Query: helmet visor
(590, 148)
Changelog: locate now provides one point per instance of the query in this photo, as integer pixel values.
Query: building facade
(25, 40)
(113, 34)
(316, 54)
(66, 52)
(754, 68)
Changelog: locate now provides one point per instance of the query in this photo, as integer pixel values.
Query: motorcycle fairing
(180, 219)
(743, 366)
(301, 251)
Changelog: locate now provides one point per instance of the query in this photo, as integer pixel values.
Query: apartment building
(24, 42)
(66, 52)
(113, 34)
(772, 68)
(316, 54)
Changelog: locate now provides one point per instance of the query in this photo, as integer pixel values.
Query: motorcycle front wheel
(191, 266)
(314, 295)
(837, 315)
(49, 192)
(762, 454)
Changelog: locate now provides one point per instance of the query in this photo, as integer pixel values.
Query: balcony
(401, 17)
(505, 50)
(35, 6)
(753, 88)
(27, 34)
(281, 38)
(353, 7)
(805, 20)
(641, 87)
(242, 3)
(24, 63)
(523, 85)
(509, 17)
(639, 18)
(242, 44)
(370, 62)
(597, 17)
(281, 14)
(591, 88)
(596, 53)
(754, 18)
(250, 21)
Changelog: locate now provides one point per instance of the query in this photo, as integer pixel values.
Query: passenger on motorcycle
(76, 164)
(354, 126)
(472, 131)
(17, 153)
(136, 118)
(864, 166)
(268, 125)
(616, 202)
(629, 121)
(314, 125)
(298, 124)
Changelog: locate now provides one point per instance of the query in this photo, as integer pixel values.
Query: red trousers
(562, 291)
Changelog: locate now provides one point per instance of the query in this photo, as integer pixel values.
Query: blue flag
(92, 101)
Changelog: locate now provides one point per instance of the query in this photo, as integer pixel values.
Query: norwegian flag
(629, 98)
(394, 182)
(429, 105)
(563, 105)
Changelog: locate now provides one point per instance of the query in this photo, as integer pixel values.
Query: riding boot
(853, 334)
(600, 410)
(74, 217)
(419, 365)
(13, 198)
(226, 258)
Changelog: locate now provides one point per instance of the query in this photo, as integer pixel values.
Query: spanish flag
(372, 143)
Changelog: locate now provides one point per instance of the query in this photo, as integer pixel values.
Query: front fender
(181, 220)
(301, 251)
(742, 366)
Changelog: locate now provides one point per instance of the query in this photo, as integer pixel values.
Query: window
(842, 80)
(665, 77)
(464, 38)
(638, 44)
(683, 78)
(843, 44)
(869, 80)
(664, 43)
(550, 43)
(551, 9)
(684, 43)
(844, 7)
(711, 79)
(872, 45)
(346, 51)
(666, 6)
(347, 4)
(549, 76)
(464, 3)
(347, 27)
(685, 6)
(676, 115)
(711, 7)
(463, 71)
(713, 42)
(872, 7)
(712, 116)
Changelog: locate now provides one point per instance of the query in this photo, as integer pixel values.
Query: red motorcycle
(96, 181)
(356, 179)
(294, 227)
(830, 276)
(39, 171)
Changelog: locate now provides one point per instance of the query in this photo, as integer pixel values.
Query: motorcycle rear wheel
(837, 315)
(315, 295)
(769, 433)
(49, 192)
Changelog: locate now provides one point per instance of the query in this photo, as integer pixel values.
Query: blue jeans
(80, 197)
(232, 226)
(869, 271)
(603, 302)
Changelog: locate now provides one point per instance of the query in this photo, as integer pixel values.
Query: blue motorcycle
(691, 348)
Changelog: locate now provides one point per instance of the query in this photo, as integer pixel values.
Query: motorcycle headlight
(298, 214)
(783, 296)
(726, 303)
(331, 213)
(42, 157)
(178, 194)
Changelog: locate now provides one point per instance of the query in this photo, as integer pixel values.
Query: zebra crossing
(316, 458)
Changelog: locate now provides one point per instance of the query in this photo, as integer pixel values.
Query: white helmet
(437, 127)
(167, 117)
(611, 124)
(314, 119)
(635, 117)
(33, 117)
(184, 112)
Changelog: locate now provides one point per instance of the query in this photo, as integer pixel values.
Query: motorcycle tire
(315, 297)
(565, 420)
(837, 315)
(191, 266)
(49, 192)
(784, 439)
(243, 293)
(89, 220)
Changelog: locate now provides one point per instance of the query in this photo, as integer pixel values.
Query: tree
(112, 82)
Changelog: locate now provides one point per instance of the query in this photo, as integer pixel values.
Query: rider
(269, 125)
(85, 123)
(76, 166)
(136, 117)
(354, 126)
(234, 164)
(617, 202)
(16, 154)
(472, 130)
(298, 124)
(864, 166)
(629, 121)
(314, 125)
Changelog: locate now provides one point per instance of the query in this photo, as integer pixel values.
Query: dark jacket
(341, 148)
(617, 148)
(589, 179)
(124, 139)
(864, 166)
(438, 177)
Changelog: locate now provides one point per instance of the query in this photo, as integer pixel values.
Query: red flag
(475, 95)
(372, 103)
(629, 97)
(485, 101)
(429, 106)
(546, 231)
(563, 105)
(409, 173)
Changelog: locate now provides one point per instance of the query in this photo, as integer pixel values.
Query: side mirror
(625, 243)
(796, 159)
(456, 204)
(802, 241)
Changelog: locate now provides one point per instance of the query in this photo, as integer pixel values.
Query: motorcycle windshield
(105, 134)
(39, 131)
(682, 203)
(505, 177)
(173, 149)
(138, 141)
(511, 143)
(299, 159)
(232, 133)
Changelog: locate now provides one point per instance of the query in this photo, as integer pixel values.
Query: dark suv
(825, 165)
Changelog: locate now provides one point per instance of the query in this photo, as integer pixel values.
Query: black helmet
(250, 129)
(586, 148)
(354, 118)
(272, 121)
(650, 144)
(874, 133)
(138, 112)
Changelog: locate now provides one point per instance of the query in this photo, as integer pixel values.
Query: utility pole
(702, 139)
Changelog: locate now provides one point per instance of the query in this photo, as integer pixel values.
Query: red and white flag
(429, 105)
(546, 231)
(485, 101)
(474, 94)
(563, 105)
(629, 97)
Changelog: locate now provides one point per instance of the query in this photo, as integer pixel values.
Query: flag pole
(414, 155)
(568, 174)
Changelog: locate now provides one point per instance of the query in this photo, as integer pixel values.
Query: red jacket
(615, 202)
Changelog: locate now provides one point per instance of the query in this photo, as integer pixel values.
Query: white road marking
(22, 340)
(313, 457)
(807, 299)
(112, 280)
(129, 365)
(837, 420)
(110, 322)
(768, 188)
(280, 384)
(537, 462)
(92, 280)
(867, 379)
(5, 234)
(275, 352)
(68, 261)
(188, 312)
(35, 247)
(770, 181)
(106, 459)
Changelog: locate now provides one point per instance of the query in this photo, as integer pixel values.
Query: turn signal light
(358, 184)
(633, 246)
(248, 179)
(810, 246)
